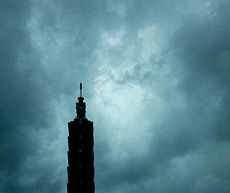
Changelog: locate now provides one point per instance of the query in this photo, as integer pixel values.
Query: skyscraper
(80, 154)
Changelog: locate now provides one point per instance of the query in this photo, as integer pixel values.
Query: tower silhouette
(80, 154)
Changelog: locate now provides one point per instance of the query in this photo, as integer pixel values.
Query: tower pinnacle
(80, 106)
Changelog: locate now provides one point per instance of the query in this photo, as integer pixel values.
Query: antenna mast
(80, 89)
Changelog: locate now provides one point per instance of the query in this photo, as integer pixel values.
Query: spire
(80, 106)
(80, 89)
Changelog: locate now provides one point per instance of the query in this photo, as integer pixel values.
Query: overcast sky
(156, 81)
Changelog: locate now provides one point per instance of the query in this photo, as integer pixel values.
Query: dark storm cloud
(201, 46)
(204, 50)
(22, 102)
(47, 47)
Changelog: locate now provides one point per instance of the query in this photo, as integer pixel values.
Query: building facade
(80, 155)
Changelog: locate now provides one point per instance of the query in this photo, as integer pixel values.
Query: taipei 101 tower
(80, 154)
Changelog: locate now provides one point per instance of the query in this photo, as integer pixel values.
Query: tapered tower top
(80, 106)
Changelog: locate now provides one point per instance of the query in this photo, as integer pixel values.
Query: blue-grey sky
(156, 80)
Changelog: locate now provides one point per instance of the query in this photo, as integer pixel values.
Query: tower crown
(80, 105)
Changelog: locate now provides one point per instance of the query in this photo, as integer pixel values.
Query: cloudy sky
(156, 80)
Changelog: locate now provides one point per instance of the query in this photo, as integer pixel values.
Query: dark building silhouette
(80, 154)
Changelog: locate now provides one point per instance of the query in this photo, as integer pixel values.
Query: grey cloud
(23, 100)
(187, 151)
(201, 48)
